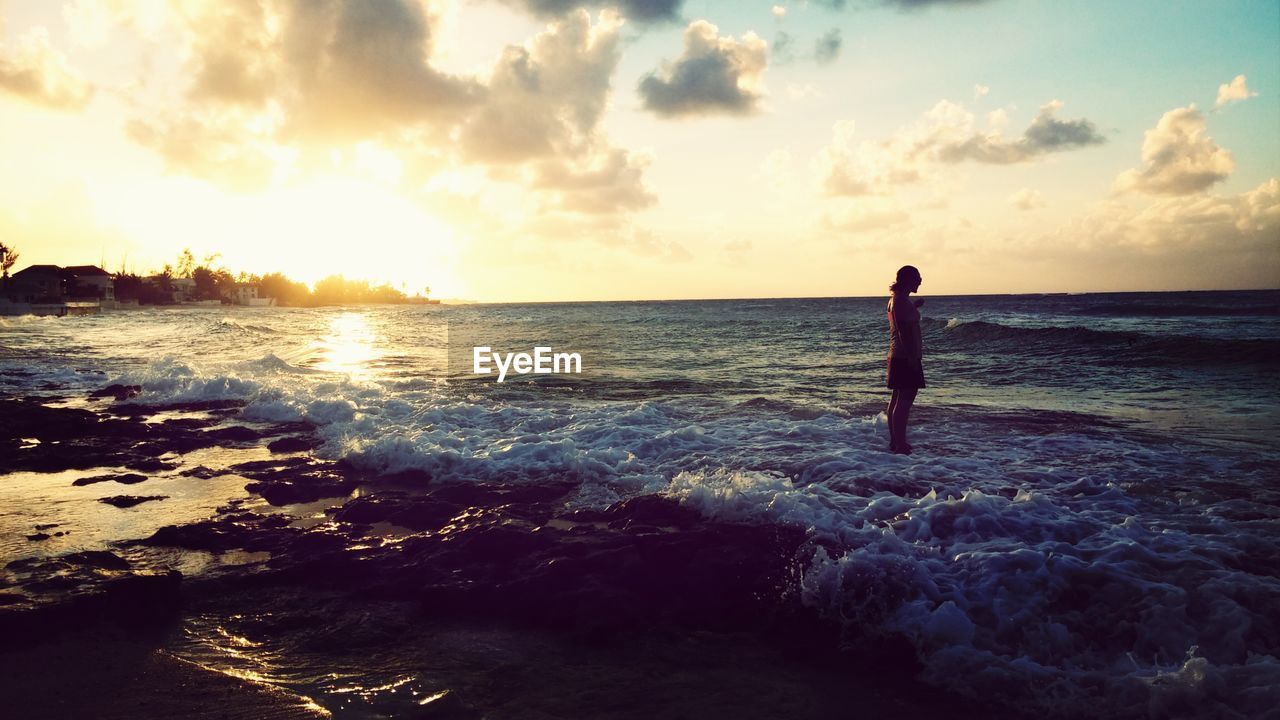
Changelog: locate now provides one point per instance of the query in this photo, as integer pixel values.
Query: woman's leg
(893, 407)
(901, 412)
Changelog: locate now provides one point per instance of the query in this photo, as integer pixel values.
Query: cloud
(544, 105)
(1045, 134)
(850, 168)
(276, 86)
(714, 75)
(864, 219)
(359, 68)
(779, 11)
(1236, 91)
(826, 49)
(776, 169)
(609, 182)
(1197, 241)
(38, 73)
(640, 10)
(1180, 159)
(783, 48)
(334, 72)
(980, 91)
(547, 97)
(217, 148)
(1027, 199)
(946, 134)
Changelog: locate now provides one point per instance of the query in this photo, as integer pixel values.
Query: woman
(906, 375)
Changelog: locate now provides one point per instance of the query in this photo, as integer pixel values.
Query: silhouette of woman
(906, 374)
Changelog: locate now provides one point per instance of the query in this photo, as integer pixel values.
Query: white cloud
(1180, 159)
(1197, 241)
(714, 75)
(608, 182)
(946, 134)
(548, 96)
(39, 73)
(1027, 199)
(779, 11)
(1236, 91)
(863, 219)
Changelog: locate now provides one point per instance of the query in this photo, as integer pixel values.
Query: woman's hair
(904, 272)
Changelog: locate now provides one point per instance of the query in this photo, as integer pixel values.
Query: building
(36, 284)
(52, 290)
(89, 282)
(184, 289)
(247, 294)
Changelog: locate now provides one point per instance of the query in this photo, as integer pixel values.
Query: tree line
(216, 283)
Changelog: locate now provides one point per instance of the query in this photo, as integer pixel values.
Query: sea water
(1091, 510)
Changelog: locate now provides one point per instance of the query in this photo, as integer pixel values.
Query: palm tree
(8, 256)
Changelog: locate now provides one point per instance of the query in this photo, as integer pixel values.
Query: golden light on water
(350, 348)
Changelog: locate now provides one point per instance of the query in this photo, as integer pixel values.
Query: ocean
(1089, 523)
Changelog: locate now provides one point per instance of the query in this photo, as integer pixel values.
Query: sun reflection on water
(350, 348)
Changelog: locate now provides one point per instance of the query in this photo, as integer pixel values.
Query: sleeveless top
(904, 313)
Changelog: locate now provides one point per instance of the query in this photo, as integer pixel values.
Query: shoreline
(587, 587)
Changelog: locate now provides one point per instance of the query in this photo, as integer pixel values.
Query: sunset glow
(499, 151)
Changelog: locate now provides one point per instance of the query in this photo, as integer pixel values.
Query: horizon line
(455, 301)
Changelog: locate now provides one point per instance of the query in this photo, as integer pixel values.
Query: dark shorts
(904, 374)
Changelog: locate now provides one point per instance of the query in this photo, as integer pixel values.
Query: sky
(543, 150)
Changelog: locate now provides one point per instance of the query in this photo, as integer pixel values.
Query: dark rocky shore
(512, 605)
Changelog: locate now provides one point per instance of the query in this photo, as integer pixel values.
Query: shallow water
(1091, 511)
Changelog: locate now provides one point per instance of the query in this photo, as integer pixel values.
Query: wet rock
(290, 487)
(266, 468)
(150, 465)
(122, 478)
(69, 438)
(291, 444)
(234, 434)
(202, 472)
(73, 592)
(397, 508)
(117, 392)
(97, 559)
(233, 531)
(185, 442)
(652, 511)
(128, 501)
(213, 407)
(36, 537)
(189, 423)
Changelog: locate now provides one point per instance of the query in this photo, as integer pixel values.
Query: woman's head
(908, 280)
